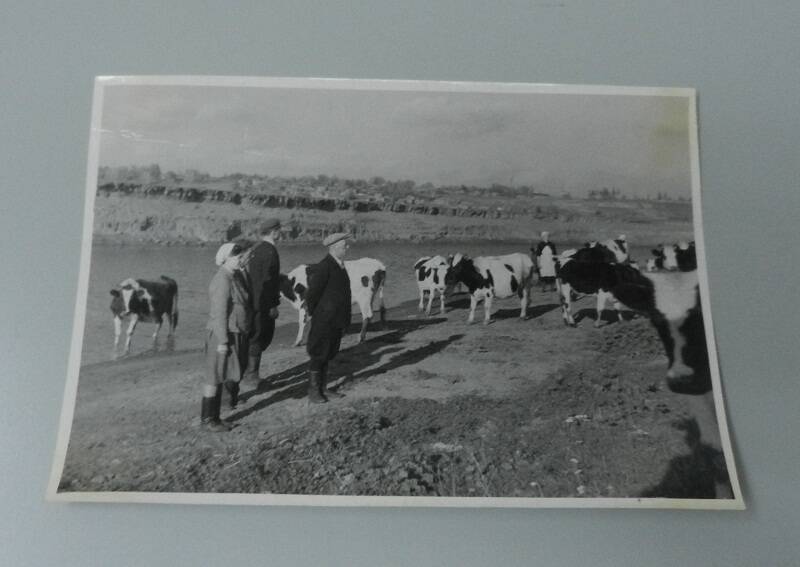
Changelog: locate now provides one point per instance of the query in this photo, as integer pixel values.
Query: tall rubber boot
(315, 395)
(323, 387)
(211, 409)
(233, 393)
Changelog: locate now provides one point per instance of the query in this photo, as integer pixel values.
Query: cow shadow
(607, 317)
(292, 382)
(700, 474)
(532, 312)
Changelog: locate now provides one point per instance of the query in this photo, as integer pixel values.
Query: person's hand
(273, 312)
(222, 349)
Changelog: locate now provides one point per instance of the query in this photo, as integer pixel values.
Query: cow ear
(115, 292)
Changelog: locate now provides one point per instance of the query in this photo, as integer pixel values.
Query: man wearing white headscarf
(228, 327)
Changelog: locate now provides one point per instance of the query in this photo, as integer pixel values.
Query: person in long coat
(329, 304)
(545, 257)
(227, 334)
(263, 271)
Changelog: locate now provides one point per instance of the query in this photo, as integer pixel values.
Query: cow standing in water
(431, 272)
(144, 300)
(487, 277)
(367, 278)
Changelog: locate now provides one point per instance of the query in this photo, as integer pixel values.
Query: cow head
(460, 264)
(130, 298)
(286, 285)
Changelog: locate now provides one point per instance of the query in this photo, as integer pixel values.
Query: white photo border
(73, 371)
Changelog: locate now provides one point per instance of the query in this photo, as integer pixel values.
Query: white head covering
(224, 252)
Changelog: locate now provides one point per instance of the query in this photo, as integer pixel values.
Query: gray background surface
(742, 58)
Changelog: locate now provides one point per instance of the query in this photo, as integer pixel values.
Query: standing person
(329, 303)
(545, 253)
(228, 328)
(263, 270)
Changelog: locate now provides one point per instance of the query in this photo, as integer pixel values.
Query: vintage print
(393, 293)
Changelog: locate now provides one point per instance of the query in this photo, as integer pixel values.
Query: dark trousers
(323, 345)
(262, 333)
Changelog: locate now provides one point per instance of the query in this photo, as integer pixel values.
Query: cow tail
(174, 312)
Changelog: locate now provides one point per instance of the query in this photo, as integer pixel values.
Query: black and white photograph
(346, 292)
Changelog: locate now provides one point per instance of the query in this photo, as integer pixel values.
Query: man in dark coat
(263, 271)
(329, 304)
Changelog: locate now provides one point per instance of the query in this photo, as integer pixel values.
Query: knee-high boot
(253, 364)
(315, 395)
(209, 418)
(233, 393)
(323, 386)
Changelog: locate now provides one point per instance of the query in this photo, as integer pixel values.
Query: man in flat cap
(263, 271)
(329, 303)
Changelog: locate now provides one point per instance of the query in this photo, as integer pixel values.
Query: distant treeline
(310, 202)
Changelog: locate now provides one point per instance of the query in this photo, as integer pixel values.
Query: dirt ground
(432, 407)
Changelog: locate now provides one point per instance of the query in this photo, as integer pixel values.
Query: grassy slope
(160, 220)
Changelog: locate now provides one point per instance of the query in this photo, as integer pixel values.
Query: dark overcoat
(263, 272)
(329, 304)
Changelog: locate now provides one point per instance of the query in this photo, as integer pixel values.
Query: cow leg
(117, 331)
(431, 293)
(366, 316)
(129, 333)
(487, 309)
(382, 308)
(618, 309)
(301, 324)
(601, 305)
(565, 295)
(473, 303)
(678, 369)
(441, 301)
(421, 299)
(523, 308)
(159, 323)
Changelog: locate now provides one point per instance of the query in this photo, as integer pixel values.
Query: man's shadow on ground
(700, 474)
(351, 362)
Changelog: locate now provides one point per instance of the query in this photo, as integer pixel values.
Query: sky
(554, 142)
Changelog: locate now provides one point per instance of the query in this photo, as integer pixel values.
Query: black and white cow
(612, 251)
(144, 300)
(367, 279)
(672, 302)
(681, 256)
(588, 271)
(487, 277)
(431, 274)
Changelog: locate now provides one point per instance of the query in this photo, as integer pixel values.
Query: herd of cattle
(666, 291)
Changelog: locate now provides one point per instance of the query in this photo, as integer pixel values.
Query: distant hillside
(213, 212)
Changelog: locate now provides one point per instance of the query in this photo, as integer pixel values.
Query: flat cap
(336, 237)
(272, 223)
